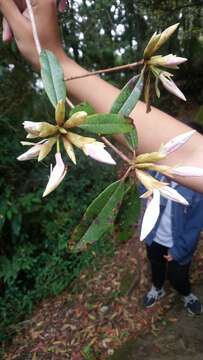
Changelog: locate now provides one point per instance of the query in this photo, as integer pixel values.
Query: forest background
(34, 262)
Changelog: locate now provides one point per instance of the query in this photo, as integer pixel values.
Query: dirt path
(178, 336)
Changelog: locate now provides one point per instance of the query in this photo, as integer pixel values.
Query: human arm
(153, 128)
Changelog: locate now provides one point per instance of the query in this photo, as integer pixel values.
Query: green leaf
(124, 94)
(107, 124)
(99, 216)
(132, 98)
(82, 107)
(132, 139)
(52, 77)
(128, 214)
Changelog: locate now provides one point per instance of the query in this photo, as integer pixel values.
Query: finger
(7, 32)
(12, 14)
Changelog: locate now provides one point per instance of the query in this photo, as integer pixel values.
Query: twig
(108, 70)
(118, 152)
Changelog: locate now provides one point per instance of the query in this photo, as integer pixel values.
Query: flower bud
(69, 149)
(76, 119)
(60, 113)
(157, 40)
(97, 152)
(56, 176)
(170, 61)
(150, 157)
(170, 85)
(39, 129)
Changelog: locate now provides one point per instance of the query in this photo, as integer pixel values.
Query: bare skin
(153, 129)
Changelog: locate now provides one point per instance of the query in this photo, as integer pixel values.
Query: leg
(178, 276)
(155, 253)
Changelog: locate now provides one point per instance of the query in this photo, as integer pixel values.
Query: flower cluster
(55, 134)
(155, 63)
(157, 188)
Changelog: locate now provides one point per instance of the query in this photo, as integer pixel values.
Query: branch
(108, 70)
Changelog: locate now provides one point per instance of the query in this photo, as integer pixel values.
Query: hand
(168, 257)
(16, 22)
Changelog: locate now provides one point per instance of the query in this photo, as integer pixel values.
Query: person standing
(171, 245)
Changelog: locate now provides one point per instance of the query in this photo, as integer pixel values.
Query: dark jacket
(187, 222)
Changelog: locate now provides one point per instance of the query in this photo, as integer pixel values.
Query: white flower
(170, 85)
(32, 127)
(42, 129)
(172, 194)
(151, 215)
(56, 175)
(187, 171)
(173, 60)
(176, 142)
(155, 188)
(33, 152)
(170, 61)
(97, 152)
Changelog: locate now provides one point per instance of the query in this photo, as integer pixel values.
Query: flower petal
(151, 215)
(172, 194)
(176, 142)
(171, 87)
(97, 152)
(30, 154)
(187, 171)
(56, 175)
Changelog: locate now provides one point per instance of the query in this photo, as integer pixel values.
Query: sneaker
(152, 296)
(192, 304)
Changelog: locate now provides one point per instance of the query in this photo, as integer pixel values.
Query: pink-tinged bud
(151, 215)
(172, 194)
(187, 171)
(172, 60)
(30, 154)
(62, 5)
(56, 176)
(171, 86)
(97, 152)
(32, 127)
(39, 129)
(176, 142)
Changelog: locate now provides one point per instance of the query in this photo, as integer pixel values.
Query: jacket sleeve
(186, 243)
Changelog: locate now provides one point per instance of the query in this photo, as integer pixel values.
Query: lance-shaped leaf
(82, 107)
(100, 215)
(124, 94)
(128, 214)
(52, 77)
(107, 124)
(133, 98)
(132, 138)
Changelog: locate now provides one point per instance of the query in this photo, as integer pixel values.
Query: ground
(101, 317)
(178, 336)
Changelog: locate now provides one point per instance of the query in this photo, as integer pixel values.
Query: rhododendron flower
(97, 152)
(156, 188)
(33, 152)
(170, 61)
(169, 85)
(57, 174)
(176, 142)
